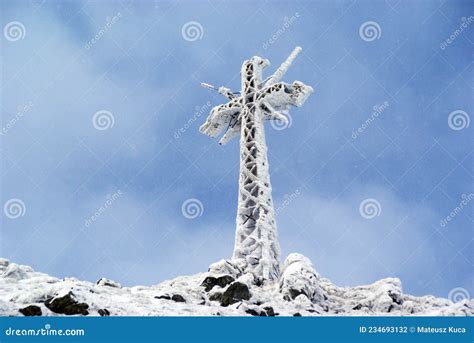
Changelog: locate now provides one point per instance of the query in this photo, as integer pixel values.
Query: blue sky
(144, 72)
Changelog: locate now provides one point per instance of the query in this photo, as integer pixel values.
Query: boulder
(178, 298)
(255, 313)
(221, 281)
(269, 310)
(386, 295)
(236, 292)
(67, 305)
(104, 312)
(31, 310)
(299, 278)
(216, 296)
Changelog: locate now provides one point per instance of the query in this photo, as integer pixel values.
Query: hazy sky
(101, 107)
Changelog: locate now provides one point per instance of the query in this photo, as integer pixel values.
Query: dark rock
(358, 307)
(166, 297)
(67, 305)
(222, 281)
(295, 292)
(209, 283)
(178, 298)
(297, 314)
(236, 292)
(104, 312)
(395, 297)
(31, 310)
(216, 297)
(270, 311)
(255, 313)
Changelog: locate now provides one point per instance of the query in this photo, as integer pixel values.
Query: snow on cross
(256, 243)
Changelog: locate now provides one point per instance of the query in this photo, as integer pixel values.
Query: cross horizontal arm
(221, 90)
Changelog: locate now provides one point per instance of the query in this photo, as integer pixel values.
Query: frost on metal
(259, 100)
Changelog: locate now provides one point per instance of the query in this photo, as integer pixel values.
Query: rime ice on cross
(256, 240)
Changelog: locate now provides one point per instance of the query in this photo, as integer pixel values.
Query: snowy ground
(222, 291)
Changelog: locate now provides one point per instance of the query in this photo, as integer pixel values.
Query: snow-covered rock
(222, 291)
(299, 278)
(107, 282)
(16, 272)
(234, 268)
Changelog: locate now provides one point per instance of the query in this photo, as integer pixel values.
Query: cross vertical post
(256, 242)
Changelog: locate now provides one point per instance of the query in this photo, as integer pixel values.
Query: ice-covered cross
(256, 243)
